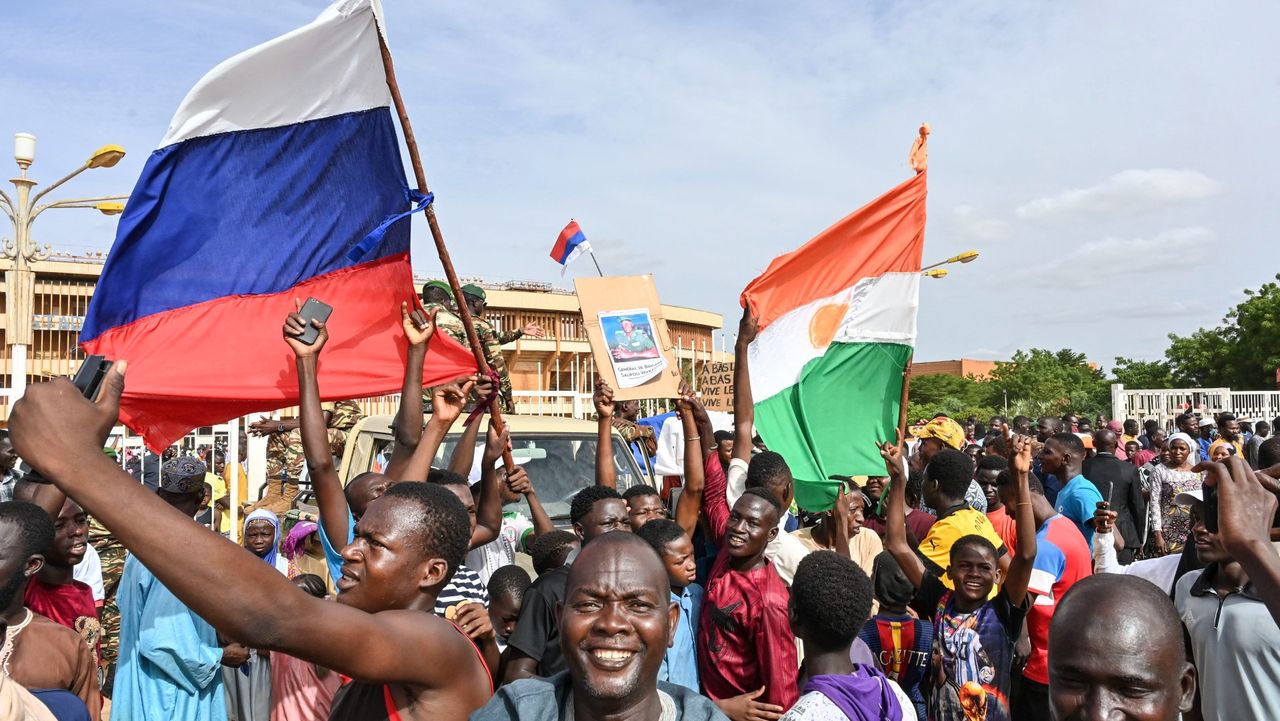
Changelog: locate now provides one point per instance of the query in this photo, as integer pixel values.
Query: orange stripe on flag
(884, 236)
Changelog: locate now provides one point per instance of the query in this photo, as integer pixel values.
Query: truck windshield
(559, 465)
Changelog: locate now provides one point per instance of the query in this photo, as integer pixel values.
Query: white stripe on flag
(329, 67)
(880, 310)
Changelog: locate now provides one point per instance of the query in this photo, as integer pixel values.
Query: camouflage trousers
(112, 553)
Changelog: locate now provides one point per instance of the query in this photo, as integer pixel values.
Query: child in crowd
(974, 631)
(507, 587)
(54, 591)
(302, 691)
(552, 550)
(901, 644)
(830, 601)
(680, 665)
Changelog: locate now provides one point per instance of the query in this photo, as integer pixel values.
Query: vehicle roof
(517, 423)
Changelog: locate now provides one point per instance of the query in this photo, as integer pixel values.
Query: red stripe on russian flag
(222, 359)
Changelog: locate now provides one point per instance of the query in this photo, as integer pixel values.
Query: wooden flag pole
(902, 409)
(464, 313)
(919, 159)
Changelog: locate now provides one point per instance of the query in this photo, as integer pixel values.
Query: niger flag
(837, 325)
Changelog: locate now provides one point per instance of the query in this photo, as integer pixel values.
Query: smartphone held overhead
(313, 310)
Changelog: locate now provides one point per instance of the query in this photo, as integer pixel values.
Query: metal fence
(1165, 404)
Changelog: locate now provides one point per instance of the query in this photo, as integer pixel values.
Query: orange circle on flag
(825, 323)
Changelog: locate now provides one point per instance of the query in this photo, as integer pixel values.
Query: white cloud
(1101, 262)
(1126, 192)
(967, 222)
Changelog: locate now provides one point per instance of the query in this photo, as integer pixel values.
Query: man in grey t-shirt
(616, 622)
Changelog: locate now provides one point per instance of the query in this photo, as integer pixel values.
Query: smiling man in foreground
(615, 624)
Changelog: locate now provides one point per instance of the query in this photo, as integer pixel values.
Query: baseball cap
(474, 291)
(1207, 423)
(1186, 498)
(944, 429)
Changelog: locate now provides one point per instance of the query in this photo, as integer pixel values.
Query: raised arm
(60, 434)
(1019, 573)
(447, 402)
(606, 474)
(689, 504)
(518, 481)
(1246, 508)
(407, 427)
(464, 452)
(489, 504)
(335, 515)
(895, 517)
(744, 410)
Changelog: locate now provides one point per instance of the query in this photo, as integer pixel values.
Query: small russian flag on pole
(571, 244)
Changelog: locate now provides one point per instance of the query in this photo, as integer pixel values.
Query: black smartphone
(89, 378)
(1209, 514)
(313, 310)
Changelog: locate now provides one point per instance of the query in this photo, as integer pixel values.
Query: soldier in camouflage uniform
(436, 296)
(112, 553)
(492, 341)
(634, 433)
(284, 452)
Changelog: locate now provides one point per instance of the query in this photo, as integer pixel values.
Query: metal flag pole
(464, 313)
(592, 252)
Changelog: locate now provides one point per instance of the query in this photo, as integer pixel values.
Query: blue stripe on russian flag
(252, 212)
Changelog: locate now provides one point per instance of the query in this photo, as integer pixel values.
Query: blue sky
(1111, 161)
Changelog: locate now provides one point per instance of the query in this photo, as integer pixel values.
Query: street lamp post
(966, 257)
(22, 212)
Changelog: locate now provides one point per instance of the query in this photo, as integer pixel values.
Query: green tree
(1243, 353)
(1044, 382)
(1143, 374)
(953, 395)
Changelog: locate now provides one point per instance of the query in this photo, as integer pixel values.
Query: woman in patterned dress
(1169, 480)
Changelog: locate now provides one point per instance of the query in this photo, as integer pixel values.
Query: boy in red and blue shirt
(1062, 558)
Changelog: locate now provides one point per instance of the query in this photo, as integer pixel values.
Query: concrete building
(963, 367)
(552, 375)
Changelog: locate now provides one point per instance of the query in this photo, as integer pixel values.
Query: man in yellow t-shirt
(946, 479)
(220, 482)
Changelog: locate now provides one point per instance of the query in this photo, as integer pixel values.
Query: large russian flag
(276, 167)
(837, 324)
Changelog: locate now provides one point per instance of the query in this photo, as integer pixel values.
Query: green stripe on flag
(829, 422)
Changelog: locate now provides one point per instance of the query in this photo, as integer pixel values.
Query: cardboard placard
(715, 386)
(629, 297)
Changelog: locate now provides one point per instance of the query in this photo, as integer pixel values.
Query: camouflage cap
(182, 475)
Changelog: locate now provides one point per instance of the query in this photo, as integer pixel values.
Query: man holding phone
(1229, 608)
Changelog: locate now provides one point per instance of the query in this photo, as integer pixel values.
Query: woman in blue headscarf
(261, 534)
(249, 686)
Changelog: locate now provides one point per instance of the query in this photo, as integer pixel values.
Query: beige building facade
(550, 376)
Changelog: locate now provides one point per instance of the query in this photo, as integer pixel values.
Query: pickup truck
(558, 453)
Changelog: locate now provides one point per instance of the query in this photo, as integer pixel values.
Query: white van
(558, 453)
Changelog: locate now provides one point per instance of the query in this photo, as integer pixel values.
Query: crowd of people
(1060, 568)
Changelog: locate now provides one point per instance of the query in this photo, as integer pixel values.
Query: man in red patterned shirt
(745, 642)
